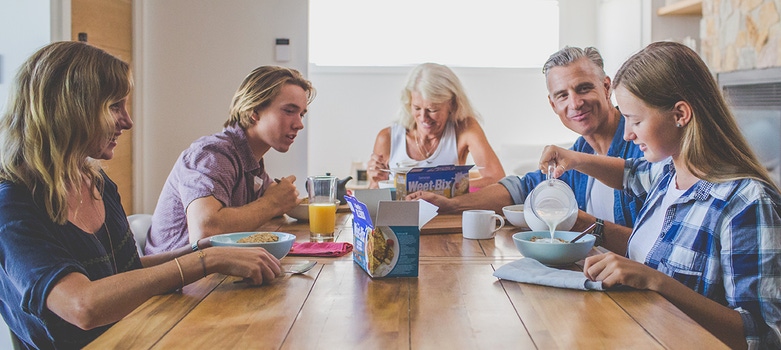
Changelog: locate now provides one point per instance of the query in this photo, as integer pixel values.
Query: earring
(678, 125)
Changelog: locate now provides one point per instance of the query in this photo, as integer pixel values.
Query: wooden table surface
(454, 303)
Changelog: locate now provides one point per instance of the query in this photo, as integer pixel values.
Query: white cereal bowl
(535, 224)
(553, 253)
(515, 215)
(278, 249)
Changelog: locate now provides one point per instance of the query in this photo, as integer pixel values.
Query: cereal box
(388, 245)
(445, 180)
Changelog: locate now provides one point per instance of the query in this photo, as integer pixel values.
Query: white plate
(230, 239)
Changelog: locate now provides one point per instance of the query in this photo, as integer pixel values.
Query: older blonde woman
(437, 126)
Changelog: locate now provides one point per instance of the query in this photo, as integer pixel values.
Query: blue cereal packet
(391, 246)
(444, 180)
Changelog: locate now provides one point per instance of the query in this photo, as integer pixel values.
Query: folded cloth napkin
(532, 271)
(328, 249)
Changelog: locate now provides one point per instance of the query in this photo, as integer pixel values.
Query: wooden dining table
(454, 303)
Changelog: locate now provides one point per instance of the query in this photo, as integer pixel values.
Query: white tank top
(445, 154)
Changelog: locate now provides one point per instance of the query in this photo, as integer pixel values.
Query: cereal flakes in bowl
(278, 248)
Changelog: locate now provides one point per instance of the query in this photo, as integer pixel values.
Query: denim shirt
(723, 240)
(625, 207)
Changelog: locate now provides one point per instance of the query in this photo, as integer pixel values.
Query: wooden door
(107, 24)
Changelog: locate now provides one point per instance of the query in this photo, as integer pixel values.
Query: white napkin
(528, 270)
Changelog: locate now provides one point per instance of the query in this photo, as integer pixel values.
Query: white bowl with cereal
(278, 247)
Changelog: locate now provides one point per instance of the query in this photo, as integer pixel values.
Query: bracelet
(202, 255)
(194, 246)
(599, 233)
(181, 273)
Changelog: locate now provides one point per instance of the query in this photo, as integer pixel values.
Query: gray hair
(571, 54)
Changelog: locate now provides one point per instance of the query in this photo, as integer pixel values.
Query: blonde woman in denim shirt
(708, 238)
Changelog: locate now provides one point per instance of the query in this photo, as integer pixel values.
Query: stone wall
(741, 34)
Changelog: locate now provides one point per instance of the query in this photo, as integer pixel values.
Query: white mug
(480, 224)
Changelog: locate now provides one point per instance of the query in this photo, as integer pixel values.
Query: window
(467, 33)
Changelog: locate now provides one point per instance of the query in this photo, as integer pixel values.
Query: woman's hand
(613, 269)
(255, 265)
(377, 168)
(445, 204)
(562, 159)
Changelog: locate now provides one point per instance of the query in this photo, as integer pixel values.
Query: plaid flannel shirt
(722, 240)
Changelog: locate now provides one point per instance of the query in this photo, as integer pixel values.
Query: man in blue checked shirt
(708, 238)
(579, 93)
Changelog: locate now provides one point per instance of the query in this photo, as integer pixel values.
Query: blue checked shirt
(723, 240)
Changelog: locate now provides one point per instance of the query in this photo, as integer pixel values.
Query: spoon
(304, 266)
(296, 269)
(583, 233)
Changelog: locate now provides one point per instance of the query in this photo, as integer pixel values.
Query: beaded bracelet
(181, 273)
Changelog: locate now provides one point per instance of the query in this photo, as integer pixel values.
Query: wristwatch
(599, 232)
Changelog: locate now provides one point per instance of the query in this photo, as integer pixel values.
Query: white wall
(189, 60)
(24, 28)
(353, 104)
(619, 31)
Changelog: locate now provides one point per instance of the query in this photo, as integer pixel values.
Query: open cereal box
(386, 234)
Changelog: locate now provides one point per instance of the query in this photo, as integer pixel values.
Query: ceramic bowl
(387, 184)
(278, 249)
(514, 214)
(301, 211)
(553, 253)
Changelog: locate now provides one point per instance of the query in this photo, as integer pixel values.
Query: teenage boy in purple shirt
(219, 184)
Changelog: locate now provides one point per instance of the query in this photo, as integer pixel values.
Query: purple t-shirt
(219, 165)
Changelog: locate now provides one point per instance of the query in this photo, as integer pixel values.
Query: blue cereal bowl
(278, 249)
(553, 253)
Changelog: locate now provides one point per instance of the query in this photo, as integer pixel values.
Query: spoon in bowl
(586, 231)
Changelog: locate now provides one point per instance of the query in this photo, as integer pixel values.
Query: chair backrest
(139, 224)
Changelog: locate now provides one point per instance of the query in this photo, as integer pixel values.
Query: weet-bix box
(387, 244)
(445, 180)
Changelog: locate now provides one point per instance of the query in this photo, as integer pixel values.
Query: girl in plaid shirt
(708, 237)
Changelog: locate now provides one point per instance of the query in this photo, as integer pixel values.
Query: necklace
(421, 149)
(111, 245)
(95, 209)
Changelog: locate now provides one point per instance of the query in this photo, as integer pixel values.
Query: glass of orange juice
(322, 207)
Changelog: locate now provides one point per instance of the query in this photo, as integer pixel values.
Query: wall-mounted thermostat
(282, 50)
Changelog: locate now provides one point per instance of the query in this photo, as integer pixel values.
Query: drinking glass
(322, 207)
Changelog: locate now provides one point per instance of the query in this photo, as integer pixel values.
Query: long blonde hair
(436, 83)
(259, 88)
(58, 113)
(712, 146)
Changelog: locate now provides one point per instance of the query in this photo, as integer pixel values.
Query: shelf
(682, 8)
